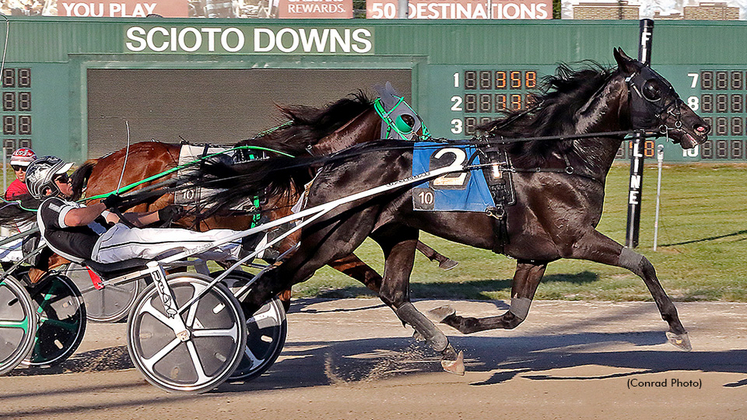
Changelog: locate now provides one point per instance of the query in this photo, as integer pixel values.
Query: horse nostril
(702, 129)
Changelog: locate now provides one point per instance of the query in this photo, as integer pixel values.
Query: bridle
(649, 104)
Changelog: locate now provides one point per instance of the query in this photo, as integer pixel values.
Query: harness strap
(392, 125)
(567, 170)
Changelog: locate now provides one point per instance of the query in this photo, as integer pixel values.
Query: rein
(568, 169)
(661, 131)
(176, 168)
(15, 202)
(127, 155)
(154, 177)
(172, 185)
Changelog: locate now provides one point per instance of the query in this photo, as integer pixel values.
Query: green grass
(701, 255)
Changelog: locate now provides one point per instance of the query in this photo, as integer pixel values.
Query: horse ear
(624, 63)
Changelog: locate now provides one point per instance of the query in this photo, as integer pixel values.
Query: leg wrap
(424, 326)
(631, 260)
(520, 307)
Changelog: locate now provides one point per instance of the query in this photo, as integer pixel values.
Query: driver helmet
(41, 173)
(22, 157)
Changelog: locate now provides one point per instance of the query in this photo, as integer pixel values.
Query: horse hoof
(681, 341)
(441, 313)
(454, 366)
(447, 264)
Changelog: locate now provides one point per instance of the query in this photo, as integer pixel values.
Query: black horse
(559, 193)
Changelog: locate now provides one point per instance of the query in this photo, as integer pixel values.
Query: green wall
(60, 50)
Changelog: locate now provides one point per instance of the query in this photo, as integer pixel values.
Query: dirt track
(351, 359)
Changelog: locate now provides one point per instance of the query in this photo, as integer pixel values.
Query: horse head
(654, 105)
(398, 120)
(389, 116)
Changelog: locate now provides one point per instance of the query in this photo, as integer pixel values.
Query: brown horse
(559, 180)
(339, 125)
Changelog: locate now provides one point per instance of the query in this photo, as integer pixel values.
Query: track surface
(352, 359)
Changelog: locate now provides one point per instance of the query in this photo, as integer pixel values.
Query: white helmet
(41, 173)
(22, 157)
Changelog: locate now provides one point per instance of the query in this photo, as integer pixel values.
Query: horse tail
(236, 183)
(79, 178)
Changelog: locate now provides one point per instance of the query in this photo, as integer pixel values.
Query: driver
(19, 161)
(79, 232)
(13, 252)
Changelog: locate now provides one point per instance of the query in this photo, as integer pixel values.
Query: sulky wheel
(266, 332)
(104, 304)
(61, 321)
(204, 356)
(17, 324)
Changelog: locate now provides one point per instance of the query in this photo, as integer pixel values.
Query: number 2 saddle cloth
(484, 189)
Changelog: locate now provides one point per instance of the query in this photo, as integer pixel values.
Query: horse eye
(651, 91)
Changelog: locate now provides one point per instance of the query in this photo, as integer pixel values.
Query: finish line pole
(635, 186)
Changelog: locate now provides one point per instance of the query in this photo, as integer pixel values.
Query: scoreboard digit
(16, 114)
(719, 95)
(479, 94)
(482, 95)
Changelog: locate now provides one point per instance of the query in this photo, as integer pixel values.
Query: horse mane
(234, 183)
(79, 178)
(264, 178)
(307, 125)
(561, 96)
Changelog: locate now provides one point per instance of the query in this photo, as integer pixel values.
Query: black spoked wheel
(61, 321)
(104, 304)
(266, 332)
(17, 324)
(195, 360)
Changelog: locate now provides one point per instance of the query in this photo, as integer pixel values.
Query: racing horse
(576, 127)
(309, 130)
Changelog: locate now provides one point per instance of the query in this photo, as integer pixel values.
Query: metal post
(635, 186)
(660, 161)
(402, 9)
(4, 231)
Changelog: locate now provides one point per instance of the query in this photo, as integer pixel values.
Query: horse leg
(599, 248)
(526, 279)
(444, 262)
(352, 266)
(335, 239)
(399, 245)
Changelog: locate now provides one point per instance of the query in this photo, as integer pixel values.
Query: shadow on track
(711, 238)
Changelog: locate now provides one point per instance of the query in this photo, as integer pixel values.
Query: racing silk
(15, 189)
(13, 251)
(110, 243)
(72, 242)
